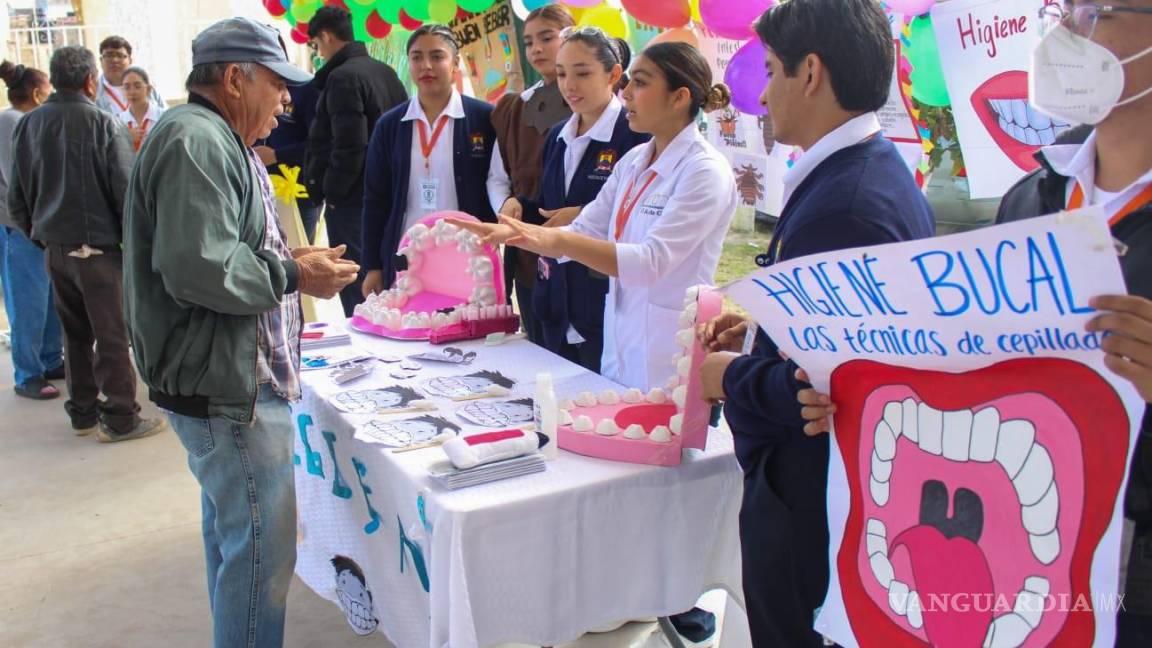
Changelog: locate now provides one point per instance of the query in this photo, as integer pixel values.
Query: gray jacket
(70, 173)
(8, 120)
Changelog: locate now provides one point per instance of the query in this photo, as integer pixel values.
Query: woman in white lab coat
(658, 225)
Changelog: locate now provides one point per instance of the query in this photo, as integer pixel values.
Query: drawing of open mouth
(1017, 128)
(977, 501)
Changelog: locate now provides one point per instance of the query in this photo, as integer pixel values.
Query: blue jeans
(248, 498)
(36, 343)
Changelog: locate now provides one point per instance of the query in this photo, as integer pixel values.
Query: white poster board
(985, 51)
(980, 445)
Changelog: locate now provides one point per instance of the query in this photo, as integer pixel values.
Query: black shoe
(55, 374)
(37, 389)
(145, 428)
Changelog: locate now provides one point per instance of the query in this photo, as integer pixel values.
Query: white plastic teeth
(607, 427)
(684, 367)
(483, 295)
(440, 320)
(467, 242)
(635, 431)
(411, 321)
(568, 404)
(676, 424)
(688, 317)
(609, 397)
(691, 295)
(660, 434)
(587, 399)
(420, 237)
(406, 286)
(583, 423)
(564, 417)
(480, 267)
(1012, 629)
(633, 396)
(672, 383)
(680, 396)
(657, 396)
(685, 337)
(444, 232)
(982, 437)
(498, 390)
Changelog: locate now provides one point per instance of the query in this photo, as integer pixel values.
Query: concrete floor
(100, 544)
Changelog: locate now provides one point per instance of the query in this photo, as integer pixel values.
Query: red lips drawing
(1001, 104)
(977, 501)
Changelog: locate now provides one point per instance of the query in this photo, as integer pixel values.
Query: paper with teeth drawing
(985, 51)
(980, 444)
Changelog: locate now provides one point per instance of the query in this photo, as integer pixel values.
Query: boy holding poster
(830, 64)
(1107, 162)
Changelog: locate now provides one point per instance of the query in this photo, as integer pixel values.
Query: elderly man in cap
(212, 298)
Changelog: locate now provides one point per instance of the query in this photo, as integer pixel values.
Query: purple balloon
(910, 7)
(747, 77)
(732, 18)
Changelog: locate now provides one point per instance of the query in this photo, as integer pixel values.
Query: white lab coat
(672, 241)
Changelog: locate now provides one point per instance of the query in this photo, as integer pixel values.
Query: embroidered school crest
(477, 143)
(606, 161)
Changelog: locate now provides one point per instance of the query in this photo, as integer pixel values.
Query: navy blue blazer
(387, 172)
(570, 293)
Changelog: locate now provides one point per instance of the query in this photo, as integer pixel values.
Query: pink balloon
(910, 7)
(581, 4)
(747, 78)
(732, 18)
(676, 35)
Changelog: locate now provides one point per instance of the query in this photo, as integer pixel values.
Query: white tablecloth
(538, 559)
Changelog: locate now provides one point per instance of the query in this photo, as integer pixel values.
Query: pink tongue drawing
(942, 568)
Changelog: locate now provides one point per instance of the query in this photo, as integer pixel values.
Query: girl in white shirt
(141, 114)
(658, 225)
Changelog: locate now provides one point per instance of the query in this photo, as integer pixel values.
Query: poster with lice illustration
(979, 445)
(985, 52)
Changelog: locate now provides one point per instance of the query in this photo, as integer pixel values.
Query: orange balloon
(677, 35)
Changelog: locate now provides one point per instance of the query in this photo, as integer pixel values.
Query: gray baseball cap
(243, 40)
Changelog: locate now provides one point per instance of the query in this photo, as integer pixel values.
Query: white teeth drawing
(982, 437)
(1025, 124)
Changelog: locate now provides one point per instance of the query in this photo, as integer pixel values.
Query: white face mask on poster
(1076, 79)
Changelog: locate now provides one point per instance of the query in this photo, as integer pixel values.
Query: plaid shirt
(278, 361)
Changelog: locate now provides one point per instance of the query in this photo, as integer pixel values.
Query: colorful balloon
(928, 85)
(363, 3)
(607, 18)
(732, 18)
(275, 7)
(300, 33)
(417, 9)
(910, 7)
(581, 4)
(746, 77)
(303, 11)
(474, 6)
(660, 13)
(408, 22)
(389, 10)
(441, 11)
(377, 27)
(677, 35)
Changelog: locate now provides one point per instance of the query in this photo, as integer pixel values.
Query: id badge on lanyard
(429, 194)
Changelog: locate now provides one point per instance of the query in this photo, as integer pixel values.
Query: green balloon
(359, 22)
(417, 9)
(389, 10)
(474, 6)
(928, 85)
(303, 11)
(441, 11)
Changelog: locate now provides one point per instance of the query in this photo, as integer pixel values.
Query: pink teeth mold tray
(648, 428)
(452, 290)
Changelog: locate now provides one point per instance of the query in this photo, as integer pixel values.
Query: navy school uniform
(861, 195)
(387, 172)
(571, 294)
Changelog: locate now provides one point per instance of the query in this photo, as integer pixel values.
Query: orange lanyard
(1145, 197)
(112, 94)
(629, 203)
(426, 146)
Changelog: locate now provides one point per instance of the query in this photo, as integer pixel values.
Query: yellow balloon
(695, 5)
(607, 18)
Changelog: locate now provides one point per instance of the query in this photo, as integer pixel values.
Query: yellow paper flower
(286, 185)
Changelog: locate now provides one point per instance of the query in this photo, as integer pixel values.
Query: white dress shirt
(850, 133)
(441, 167)
(577, 145)
(499, 185)
(150, 118)
(1078, 161)
(671, 242)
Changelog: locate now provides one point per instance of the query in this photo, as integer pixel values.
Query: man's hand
(301, 251)
(725, 332)
(560, 217)
(373, 283)
(323, 273)
(1128, 348)
(712, 376)
(512, 209)
(266, 154)
(818, 408)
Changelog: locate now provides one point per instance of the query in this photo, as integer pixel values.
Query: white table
(537, 559)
